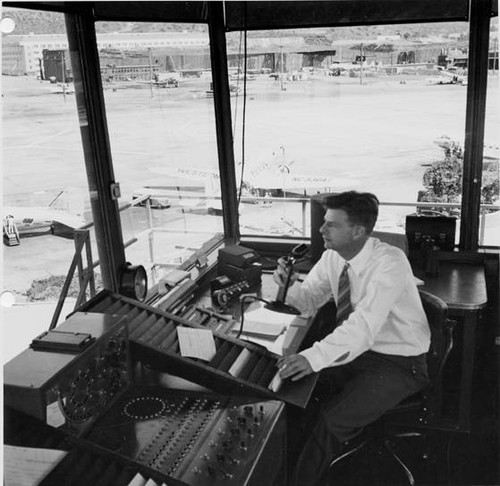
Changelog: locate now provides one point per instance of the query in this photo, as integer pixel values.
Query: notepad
(265, 323)
(196, 343)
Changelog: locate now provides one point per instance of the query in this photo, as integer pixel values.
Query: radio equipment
(240, 264)
(208, 319)
(71, 375)
(430, 230)
(223, 290)
(238, 366)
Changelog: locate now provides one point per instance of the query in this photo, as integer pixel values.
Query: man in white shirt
(375, 356)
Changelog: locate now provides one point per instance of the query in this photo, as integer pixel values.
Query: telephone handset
(279, 304)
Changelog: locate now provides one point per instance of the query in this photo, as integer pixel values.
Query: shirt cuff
(313, 358)
(317, 363)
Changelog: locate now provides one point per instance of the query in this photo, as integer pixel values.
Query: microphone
(279, 304)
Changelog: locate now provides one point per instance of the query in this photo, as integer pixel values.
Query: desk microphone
(279, 304)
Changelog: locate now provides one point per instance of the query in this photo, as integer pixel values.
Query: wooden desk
(463, 287)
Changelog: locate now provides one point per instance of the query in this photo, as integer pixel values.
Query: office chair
(396, 239)
(419, 414)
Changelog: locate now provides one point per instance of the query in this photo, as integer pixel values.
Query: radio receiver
(70, 376)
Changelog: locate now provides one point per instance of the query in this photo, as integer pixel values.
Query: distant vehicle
(38, 220)
(157, 197)
(166, 80)
(241, 77)
(337, 68)
(63, 88)
(233, 90)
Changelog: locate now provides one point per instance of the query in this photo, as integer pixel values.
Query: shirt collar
(358, 263)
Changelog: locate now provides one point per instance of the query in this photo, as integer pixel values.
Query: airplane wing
(187, 173)
(71, 220)
(210, 179)
(40, 217)
(287, 181)
(266, 177)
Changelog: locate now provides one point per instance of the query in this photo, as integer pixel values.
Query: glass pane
(45, 190)
(160, 112)
(489, 230)
(334, 109)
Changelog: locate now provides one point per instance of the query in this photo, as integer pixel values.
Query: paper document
(27, 466)
(196, 343)
(265, 323)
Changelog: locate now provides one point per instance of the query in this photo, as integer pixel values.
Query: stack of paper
(27, 466)
(265, 323)
(196, 343)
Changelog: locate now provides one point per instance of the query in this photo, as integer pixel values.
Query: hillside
(39, 22)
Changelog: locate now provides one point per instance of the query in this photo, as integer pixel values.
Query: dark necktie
(344, 306)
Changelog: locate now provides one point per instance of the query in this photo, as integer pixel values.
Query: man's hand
(294, 366)
(281, 273)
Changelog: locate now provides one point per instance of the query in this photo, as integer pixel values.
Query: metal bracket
(115, 190)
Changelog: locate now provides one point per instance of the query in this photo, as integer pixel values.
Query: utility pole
(281, 69)
(361, 64)
(150, 72)
(63, 67)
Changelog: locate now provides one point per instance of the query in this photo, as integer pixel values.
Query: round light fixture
(134, 282)
(7, 25)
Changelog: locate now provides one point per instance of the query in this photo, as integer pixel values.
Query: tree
(443, 179)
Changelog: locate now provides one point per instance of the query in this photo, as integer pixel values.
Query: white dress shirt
(387, 316)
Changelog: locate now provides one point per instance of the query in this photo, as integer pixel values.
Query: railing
(86, 277)
(417, 206)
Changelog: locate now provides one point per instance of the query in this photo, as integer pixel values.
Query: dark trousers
(350, 397)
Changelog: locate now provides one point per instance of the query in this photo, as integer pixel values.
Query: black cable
(243, 116)
(243, 298)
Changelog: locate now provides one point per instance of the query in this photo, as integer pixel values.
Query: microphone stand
(278, 305)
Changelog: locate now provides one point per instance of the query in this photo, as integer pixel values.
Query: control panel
(71, 388)
(196, 438)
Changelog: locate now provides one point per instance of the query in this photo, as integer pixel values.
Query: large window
(372, 109)
(489, 229)
(160, 113)
(44, 184)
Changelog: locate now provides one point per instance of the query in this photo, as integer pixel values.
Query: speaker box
(437, 230)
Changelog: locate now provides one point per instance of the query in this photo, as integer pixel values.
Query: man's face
(338, 232)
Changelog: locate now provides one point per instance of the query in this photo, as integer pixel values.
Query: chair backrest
(441, 328)
(396, 239)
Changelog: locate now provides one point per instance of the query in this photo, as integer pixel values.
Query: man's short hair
(361, 207)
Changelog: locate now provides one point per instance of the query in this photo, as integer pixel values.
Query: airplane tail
(72, 202)
(54, 201)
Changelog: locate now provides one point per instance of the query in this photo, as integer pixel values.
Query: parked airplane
(274, 178)
(38, 220)
(448, 76)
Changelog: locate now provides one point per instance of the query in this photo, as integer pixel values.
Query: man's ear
(359, 231)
